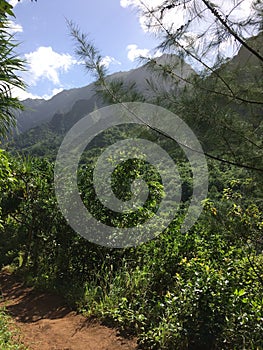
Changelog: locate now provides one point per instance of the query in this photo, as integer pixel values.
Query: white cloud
(14, 27)
(126, 3)
(53, 93)
(14, 2)
(138, 3)
(176, 17)
(23, 95)
(173, 16)
(48, 64)
(108, 60)
(134, 52)
(240, 12)
(44, 63)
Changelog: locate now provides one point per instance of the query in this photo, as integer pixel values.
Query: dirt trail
(46, 323)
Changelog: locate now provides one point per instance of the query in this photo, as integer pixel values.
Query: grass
(9, 335)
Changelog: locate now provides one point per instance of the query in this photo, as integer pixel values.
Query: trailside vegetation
(196, 290)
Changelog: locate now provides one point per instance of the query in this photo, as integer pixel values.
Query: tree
(215, 83)
(223, 104)
(206, 27)
(10, 64)
(234, 90)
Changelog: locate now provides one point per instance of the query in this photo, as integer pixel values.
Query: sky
(45, 42)
(114, 26)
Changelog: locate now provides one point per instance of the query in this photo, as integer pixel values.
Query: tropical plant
(10, 64)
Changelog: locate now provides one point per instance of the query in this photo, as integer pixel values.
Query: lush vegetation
(202, 289)
(9, 65)
(7, 336)
(196, 290)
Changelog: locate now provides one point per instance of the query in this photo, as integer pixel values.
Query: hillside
(42, 125)
(40, 111)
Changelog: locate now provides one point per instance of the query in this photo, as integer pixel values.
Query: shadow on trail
(27, 305)
(47, 323)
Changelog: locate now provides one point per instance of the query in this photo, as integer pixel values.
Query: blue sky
(116, 27)
(47, 46)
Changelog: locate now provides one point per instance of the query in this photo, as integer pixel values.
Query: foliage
(6, 335)
(202, 289)
(9, 65)
(199, 290)
(205, 27)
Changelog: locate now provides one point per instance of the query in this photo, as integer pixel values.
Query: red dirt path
(46, 323)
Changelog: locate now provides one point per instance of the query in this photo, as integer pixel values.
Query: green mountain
(40, 128)
(43, 124)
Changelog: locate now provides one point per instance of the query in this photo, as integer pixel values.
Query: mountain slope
(52, 119)
(41, 111)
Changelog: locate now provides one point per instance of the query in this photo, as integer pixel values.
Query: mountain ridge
(57, 115)
(38, 111)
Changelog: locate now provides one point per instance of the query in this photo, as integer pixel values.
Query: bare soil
(47, 323)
